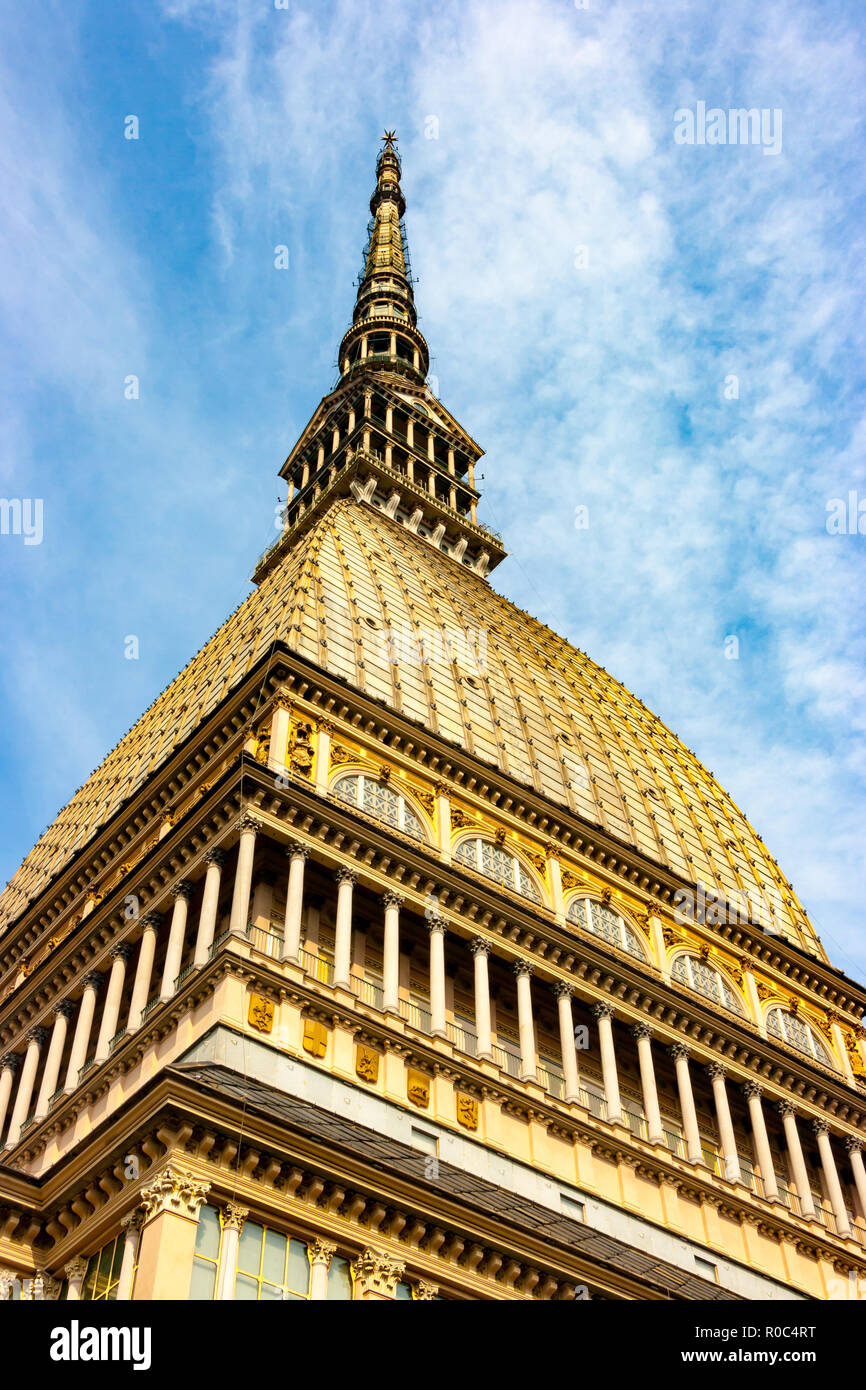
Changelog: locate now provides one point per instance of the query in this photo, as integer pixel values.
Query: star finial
(389, 137)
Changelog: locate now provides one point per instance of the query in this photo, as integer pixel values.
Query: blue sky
(587, 287)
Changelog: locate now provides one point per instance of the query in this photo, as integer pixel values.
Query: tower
(399, 952)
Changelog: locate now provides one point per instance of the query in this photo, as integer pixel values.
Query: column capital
(320, 1251)
(820, 1125)
(641, 1030)
(38, 1036)
(601, 1010)
(562, 989)
(523, 967)
(425, 1292)
(785, 1108)
(11, 1062)
(76, 1269)
(93, 980)
(249, 824)
(436, 924)
(679, 1051)
(296, 849)
(215, 856)
(392, 899)
(64, 1007)
(152, 921)
(376, 1272)
(479, 947)
(234, 1216)
(853, 1143)
(44, 1288)
(183, 889)
(715, 1071)
(122, 951)
(134, 1220)
(752, 1091)
(346, 875)
(174, 1191)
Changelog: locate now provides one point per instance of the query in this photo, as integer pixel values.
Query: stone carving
(261, 1013)
(367, 1063)
(461, 819)
(315, 1037)
(418, 1088)
(377, 1273)
(467, 1111)
(341, 754)
(174, 1191)
(302, 749)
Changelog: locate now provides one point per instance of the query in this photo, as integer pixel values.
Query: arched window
(497, 863)
(379, 800)
(602, 921)
(704, 979)
(790, 1029)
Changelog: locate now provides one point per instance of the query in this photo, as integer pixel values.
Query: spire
(384, 333)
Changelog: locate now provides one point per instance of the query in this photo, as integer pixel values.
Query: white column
(603, 1013)
(563, 992)
(8, 1068)
(437, 977)
(346, 880)
(143, 970)
(324, 731)
(23, 1096)
(233, 1219)
(320, 1252)
(215, 858)
(51, 1075)
(716, 1073)
(182, 893)
(855, 1154)
(481, 950)
(243, 876)
(280, 726)
(298, 854)
(113, 996)
(75, 1272)
(132, 1225)
(753, 1093)
(643, 1033)
(83, 1025)
(391, 961)
(798, 1163)
(831, 1177)
(526, 1030)
(694, 1152)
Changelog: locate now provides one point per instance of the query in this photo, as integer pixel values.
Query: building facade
(399, 952)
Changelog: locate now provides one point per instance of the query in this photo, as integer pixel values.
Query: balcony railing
(416, 1015)
(321, 970)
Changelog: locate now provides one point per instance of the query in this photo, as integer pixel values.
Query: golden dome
(358, 596)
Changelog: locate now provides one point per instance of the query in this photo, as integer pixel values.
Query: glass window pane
(271, 1293)
(274, 1257)
(403, 1291)
(246, 1289)
(298, 1270)
(207, 1237)
(577, 912)
(339, 1280)
(250, 1248)
(203, 1281)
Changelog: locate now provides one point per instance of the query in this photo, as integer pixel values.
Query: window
(704, 979)
(707, 1269)
(423, 1139)
(206, 1258)
(379, 800)
(103, 1272)
(602, 921)
(272, 1267)
(570, 1206)
(790, 1029)
(497, 863)
(339, 1280)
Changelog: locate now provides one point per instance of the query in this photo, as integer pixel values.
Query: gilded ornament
(418, 1088)
(367, 1063)
(261, 1013)
(341, 754)
(467, 1111)
(315, 1037)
